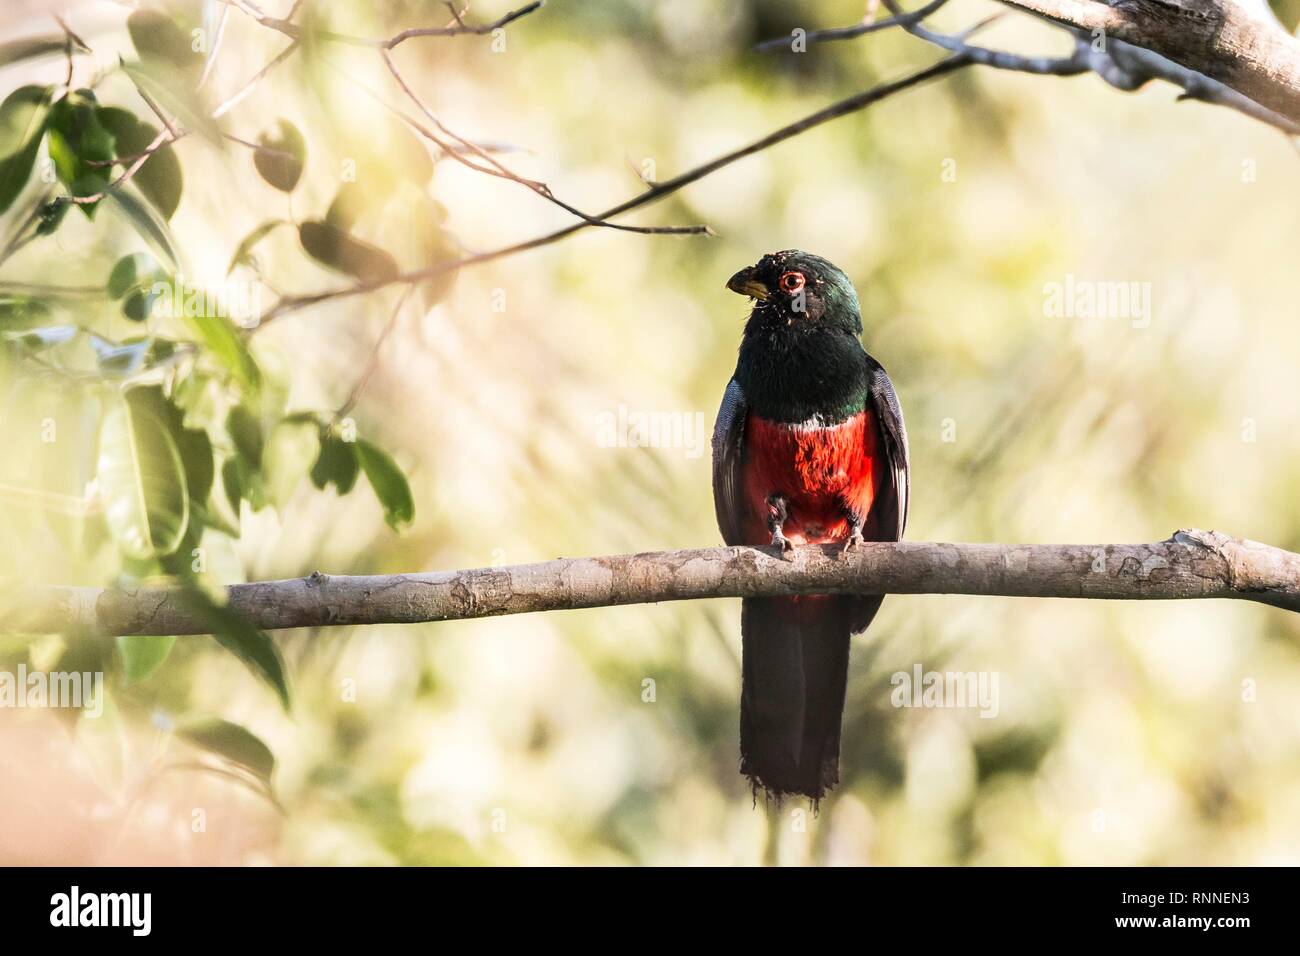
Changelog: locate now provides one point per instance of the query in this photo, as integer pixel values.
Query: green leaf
(336, 249)
(161, 349)
(246, 432)
(229, 348)
(244, 253)
(192, 444)
(290, 451)
(22, 123)
(142, 482)
(130, 273)
(160, 178)
(148, 224)
(236, 634)
(232, 482)
(336, 464)
(233, 743)
(142, 656)
(30, 48)
(390, 484)
(80, 146)
(157, 36)
(195, 392)
(243, 483)
(346, 208)
(280, 158)
(22, 116)
(214, 519)
(138, 306)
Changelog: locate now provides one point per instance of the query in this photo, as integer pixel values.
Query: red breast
(818, 468)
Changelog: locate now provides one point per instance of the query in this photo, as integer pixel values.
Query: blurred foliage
(153, 434)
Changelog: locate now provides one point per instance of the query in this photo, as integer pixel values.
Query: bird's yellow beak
(746, 282)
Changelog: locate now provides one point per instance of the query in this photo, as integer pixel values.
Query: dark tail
(795, 664)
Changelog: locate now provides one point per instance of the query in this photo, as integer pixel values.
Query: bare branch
(1071, 65)
(373, 361)
(498, 169)
(74, 41)
(462, 27)
(1191, 564)
(459, 28)
(157, 111)
(234, 99)
(216, 46)
(851, 104)
(868, 25)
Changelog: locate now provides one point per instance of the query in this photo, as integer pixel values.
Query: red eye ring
(791, 282)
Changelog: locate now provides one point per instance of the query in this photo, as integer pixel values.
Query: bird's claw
(854, 540)
(779, 540)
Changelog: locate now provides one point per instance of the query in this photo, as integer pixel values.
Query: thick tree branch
(1125, 66)
(1221, 39)
(1191, 564)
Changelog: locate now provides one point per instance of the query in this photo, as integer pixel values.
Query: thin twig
(295, 32)
(247, 88)
(372, 362)
(851, 104)
(157, 111)
(499, 169)
(868, 25)
(1072, 65)
(216, 47)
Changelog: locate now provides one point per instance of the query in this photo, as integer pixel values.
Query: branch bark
(1191, 564)
(1221, 39)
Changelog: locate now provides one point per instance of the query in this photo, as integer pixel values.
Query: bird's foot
(779, 540)
(854, 539)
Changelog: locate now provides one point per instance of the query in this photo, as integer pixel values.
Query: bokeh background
(1127, 733)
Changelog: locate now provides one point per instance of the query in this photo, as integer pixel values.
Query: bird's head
(798, 290)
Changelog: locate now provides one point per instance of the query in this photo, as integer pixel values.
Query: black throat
(792, 372)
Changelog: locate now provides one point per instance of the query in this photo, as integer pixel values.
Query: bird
(809, 447)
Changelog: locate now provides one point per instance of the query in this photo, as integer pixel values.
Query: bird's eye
(792, 282)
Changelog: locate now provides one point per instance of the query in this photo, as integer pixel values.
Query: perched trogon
(809, 447)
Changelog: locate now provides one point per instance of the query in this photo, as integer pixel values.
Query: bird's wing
(728, 453)
(892, 518)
